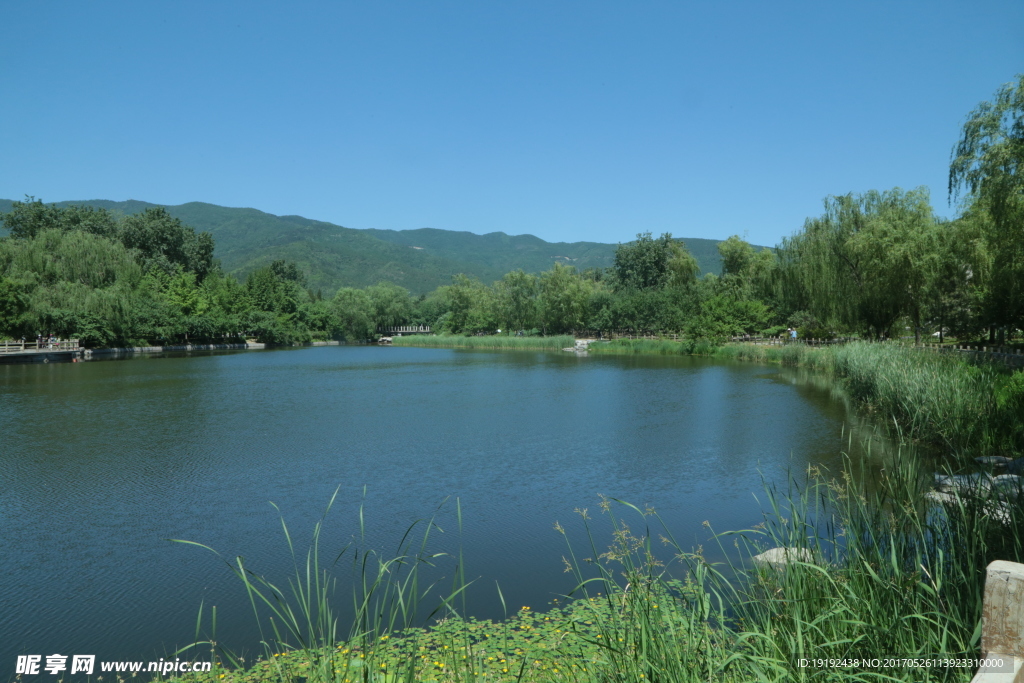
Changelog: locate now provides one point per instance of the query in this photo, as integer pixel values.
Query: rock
(994, 460)
(964, 483)
(940, 497)
(999, 511)
(778, 558)
(1008, 485)
(1015, 466)
(993, 508)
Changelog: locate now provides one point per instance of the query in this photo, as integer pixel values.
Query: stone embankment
(581, 346)
(128, 350)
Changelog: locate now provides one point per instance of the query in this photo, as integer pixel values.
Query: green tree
(13, 305)
(390, 304)
(164, 242)
(737, 256)
(516, 300)
(563, 300)
(648, 263)
(27, 219)
(471, 306)
(354, 314)
(987, 173)
(864, 263)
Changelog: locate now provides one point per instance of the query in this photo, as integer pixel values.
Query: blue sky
(567, 120)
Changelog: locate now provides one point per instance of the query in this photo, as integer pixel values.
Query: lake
(104, 461)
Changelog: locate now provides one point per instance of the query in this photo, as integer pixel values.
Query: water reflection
(104, 461)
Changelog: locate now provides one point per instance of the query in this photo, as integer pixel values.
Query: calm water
(102, 462)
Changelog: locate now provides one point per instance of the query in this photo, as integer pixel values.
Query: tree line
(872, 264)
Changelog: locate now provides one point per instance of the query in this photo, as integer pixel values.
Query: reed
(453, 341)
(966, 409)
(886, 573)
(662, 347)
(883, 570)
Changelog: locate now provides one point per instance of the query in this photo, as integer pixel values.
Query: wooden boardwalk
(404, 329)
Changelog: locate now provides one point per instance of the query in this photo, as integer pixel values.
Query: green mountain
(333, 256)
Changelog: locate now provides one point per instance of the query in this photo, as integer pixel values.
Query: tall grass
(299, 627)
(886, 572)
(964, 408)
(663, 347)
(490, 342)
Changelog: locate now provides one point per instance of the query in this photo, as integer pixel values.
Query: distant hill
(333, 256)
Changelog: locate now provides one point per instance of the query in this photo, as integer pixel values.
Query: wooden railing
(783, 339)
(1004, 354)
(36, 346)
(406, 329)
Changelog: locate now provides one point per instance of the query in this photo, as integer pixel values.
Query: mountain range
(420, 260)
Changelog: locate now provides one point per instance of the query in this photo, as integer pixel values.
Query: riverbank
(878, 579)
(889, 573)
(965, 408)
(247, 346)
(454, 341)
(46, 356)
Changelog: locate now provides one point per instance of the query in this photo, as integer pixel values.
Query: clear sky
(568, 120)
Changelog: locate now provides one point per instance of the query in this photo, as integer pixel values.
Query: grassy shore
(881, 570)
(454, 341)
(886, 574)
(943, 399)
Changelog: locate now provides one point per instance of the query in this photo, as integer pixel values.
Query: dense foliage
(876, 563)
(144, 278)
(874, 264)
(333, 256)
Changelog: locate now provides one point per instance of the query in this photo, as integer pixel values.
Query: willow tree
(960, 276)
(516, 300)
(986, 173)
(563, 299)
(862, 265)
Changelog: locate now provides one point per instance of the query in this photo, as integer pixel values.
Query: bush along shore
(879, 567)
